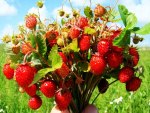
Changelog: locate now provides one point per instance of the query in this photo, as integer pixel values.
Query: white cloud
(43, 12)
(141, 9)
(7, 9)
(8, 29)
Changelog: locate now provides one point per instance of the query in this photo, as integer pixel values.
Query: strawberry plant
(68, 60)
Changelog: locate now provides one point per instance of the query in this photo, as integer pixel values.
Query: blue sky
(12, 12)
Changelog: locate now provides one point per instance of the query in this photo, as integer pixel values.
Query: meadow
(115, 100)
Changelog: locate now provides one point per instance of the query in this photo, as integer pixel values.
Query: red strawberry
(133, 84)
(74, 32)
(82, 22)
(48, 88)
(103, 85)
(114, 59)
(125, 74)
(63, 99)
(8, 71)
(99, 11)
(103, 46)
(115, 34)
(63, 71)
(52, 42)
(134, 56)
(97, 65)
(35, 102)
(31, 22)
(63, 56)
(26, 48)
(31, 91)
(84, 43)
(24, 75)
(117, 49)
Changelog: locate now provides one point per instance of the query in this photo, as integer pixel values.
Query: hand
(55, 109)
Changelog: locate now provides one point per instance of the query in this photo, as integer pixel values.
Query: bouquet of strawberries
(68, 60)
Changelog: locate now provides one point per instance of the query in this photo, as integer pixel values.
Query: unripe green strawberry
(48, 88)
(133, 84)
(125, 74)
(63, 71)
(99, 11)
(31, 22)
(8, 71)
(74, 32)
(31, 91)
(63, 99)
(24, 75)
(61, 13)
(39, 4)
(84, 43)
(97, 65)
(35, 102)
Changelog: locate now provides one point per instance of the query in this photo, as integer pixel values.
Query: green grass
(12, 101)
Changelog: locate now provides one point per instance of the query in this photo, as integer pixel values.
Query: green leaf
(83, 66)
(42, 48)
(131, 21)
(54, 58)
(123, 13)
(88, 12)
(63, 21)
(144, 30)
(32, 39)
(41, 73)
(89, 31)
(123, 39)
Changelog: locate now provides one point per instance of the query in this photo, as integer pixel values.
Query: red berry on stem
(24, 75)
(35, 102)
(31, 22)
(63, 99)
(97, 65)
(84, 43)
(31, 91)
(48, 88)
(63, 56)
(114, 59)
(133, 84)
(125, 74)
(134, 56)
(82, 22)
(8, 71)
(74, 32)
(99, 11)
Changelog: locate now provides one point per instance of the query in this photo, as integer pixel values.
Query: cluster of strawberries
(104, 58)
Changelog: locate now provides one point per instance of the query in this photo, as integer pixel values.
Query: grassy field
(115, 100)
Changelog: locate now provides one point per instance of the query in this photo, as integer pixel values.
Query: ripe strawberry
(82, 22)
(35, 102)
(103, 85)
(114, 59)
(134, 56)
(24, 75)
(31, 22)
(103, 46)
(26, 48)
(63, 71)
(133, 84)
(8, 71)
(84, 43)
(74, 32)
(48, 88)
(31, 91)
(125, 74)
(117, 49)
(63, 99)
(63, 56)
(99, 11)
(97, 65)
